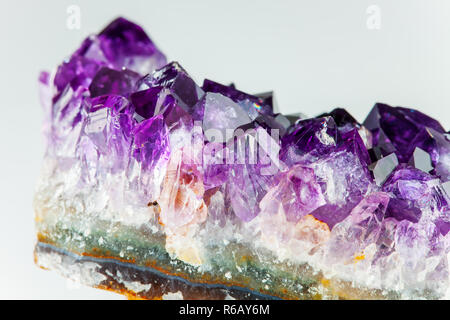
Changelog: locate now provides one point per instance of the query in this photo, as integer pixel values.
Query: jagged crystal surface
(135, 141)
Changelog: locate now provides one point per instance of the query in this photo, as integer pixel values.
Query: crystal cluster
(135, 141)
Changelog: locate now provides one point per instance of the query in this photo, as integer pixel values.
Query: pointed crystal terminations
(395, 128)
(126, 45)
(207, 183)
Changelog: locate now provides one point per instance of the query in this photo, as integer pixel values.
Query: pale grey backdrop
(316, 55)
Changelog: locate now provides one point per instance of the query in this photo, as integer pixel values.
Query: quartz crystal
(157, 187)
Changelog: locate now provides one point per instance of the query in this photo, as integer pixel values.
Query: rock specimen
(155, 186)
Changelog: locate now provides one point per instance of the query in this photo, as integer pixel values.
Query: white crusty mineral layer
(58, 200)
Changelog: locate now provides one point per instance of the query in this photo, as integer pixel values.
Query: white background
(316, 55)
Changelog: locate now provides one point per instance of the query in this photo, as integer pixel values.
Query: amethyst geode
(145, 166)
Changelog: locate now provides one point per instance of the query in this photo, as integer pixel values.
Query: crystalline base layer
(134, 261)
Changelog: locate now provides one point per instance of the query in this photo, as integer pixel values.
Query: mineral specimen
(156, 187)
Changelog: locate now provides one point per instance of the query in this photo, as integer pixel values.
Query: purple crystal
(97, 67)
(66, 117)
(228, 91)
(77, 72)
(344, 120)
(344, 180)
(181, 86)
(268, 123)
(362, 227)
(108, 126)
(443, 196)
(381, 147)
(259, 104)
(126, 45)
(319, 135)
(437, 145)
(245, 189)
(151, 142)
(169, 91)
(110, 81)
(443, 225)
(332, 214)
(252, 163)
(397, 127)
(351, 141)
(411, 192)
(299, 193)
(221, 117)
(214, 165)
(122, 44)
(146, 102)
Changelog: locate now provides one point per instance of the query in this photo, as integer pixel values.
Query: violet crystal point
(157, 187)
